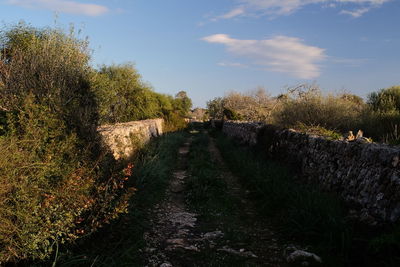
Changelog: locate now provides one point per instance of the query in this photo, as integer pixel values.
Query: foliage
(306, 105)
(382, 120)
(199, 114)
(173, 122)
(252, 106)
(320, 131)
(215, 108)
(122, 96)
(56, 185)
(53, 68)
(182, 103)
(230, 114)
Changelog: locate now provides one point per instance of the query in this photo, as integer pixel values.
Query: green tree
(215, 108)
(182, 103)
(123, 96)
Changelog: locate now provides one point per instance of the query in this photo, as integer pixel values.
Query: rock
(303, 258)
(395, 161)
(213, 235)
(176, 241)
(242, 252)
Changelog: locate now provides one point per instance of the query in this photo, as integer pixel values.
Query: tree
(122, 95)
(254, 105)
(182, 103)
(215, 108)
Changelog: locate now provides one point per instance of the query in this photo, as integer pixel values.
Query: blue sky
(209, 47)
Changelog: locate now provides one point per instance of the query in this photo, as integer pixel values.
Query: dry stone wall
(365, 175)
(124, 138)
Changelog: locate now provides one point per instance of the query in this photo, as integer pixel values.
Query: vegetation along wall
(366, 175)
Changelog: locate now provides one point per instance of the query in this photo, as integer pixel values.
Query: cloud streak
(62, 6)
(286, 7)
(279, 54)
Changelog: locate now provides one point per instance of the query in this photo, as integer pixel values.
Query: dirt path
(170, 235)
(175, 238)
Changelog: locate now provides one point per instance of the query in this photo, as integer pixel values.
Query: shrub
(53, 68)
(55, 183)
(173, 122)
(382, 119)
(306, 105)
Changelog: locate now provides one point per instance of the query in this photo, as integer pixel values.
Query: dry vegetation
(306, 108)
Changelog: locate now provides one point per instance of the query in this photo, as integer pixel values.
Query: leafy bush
(56, 184)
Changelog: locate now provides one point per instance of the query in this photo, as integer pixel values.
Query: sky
(210, 47)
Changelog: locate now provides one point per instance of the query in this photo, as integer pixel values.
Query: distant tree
(254, 105)
(383, 120)
(182, 103)
(215, 108)
(199, 114)
(385, 100)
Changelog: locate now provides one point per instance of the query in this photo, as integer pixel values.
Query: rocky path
(171, 229)
(175, 237)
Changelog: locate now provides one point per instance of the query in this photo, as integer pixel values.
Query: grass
(302, 211)
(208, 195)
(119, 243)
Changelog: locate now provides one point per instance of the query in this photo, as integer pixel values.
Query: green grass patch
(209, 196)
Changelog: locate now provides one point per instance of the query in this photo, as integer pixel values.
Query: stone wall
(366, 175)
(124, 138)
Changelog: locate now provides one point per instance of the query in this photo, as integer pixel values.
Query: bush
(55, 183)
(307, 106)
(382, 119)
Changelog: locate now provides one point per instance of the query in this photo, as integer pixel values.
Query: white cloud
(279, 54)
(356, 13)
(62, 6)
(232, 64)
(286, 7)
